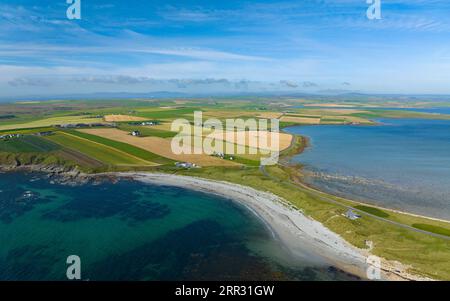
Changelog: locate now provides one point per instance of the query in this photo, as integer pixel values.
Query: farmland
(100, 152)
(51, 121)
(159, 146)
(124, 147)
(100, 149)
(27, 144)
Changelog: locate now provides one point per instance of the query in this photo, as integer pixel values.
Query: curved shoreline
(302, 236)
(307, 141)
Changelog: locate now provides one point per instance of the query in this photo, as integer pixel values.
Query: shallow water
(403, 164)
(134, 231)
(433, 110)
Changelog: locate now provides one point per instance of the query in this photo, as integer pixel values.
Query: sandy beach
(303, 237)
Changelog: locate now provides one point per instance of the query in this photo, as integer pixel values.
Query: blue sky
(224, 46)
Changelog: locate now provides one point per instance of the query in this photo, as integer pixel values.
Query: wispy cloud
(228, 45)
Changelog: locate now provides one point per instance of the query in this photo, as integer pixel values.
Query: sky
(140, 46)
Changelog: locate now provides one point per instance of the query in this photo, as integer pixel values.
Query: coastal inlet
(128, 230)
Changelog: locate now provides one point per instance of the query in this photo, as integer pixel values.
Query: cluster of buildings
(41, 134)
(221, 156)
(10, 136)
(144, 123)
(13, 136)
(84, 125)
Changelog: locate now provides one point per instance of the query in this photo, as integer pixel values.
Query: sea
(402, 164)
(127, 230)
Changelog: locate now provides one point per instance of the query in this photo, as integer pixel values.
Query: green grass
(433, 229)
(163, 114)
(242, 160)
(372, 210)
(27, 130)
(130, 149)
(147, 131)
(27, 144)
(99, 152)
(45, 159)
(427, 255)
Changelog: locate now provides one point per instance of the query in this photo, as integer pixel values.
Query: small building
(47, 133)
(220, 155)
(136, 133)
(185, 165)
(149, 123)
(350, 214)
(10, 136)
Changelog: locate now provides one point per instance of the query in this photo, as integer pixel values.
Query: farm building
(185, 164)
(350, 214)
(10, 136)
(47, 133)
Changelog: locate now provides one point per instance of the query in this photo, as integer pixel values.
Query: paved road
(330, 200)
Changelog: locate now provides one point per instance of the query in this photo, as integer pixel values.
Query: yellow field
(227, 114)
(119, 118)
(303, 120)
(269, 115)
(159, 146)
(343, 111)
(284, 139)
(329, 105)
(51, 121)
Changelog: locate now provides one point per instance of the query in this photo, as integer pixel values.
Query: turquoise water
(403, 164)
(133, 231)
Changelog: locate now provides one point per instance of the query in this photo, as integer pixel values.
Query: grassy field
(159, 146)
(432, 228)
(51, 121)
(27, 144)
(103, 153)
(427, 255)
(121, 118)
(371, 210)
(165, 113)
(127, 148)
(147, 131)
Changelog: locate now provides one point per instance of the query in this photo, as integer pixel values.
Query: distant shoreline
(314, 188)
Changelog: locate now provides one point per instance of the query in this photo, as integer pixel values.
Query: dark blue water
(127, 230)
(403, 164)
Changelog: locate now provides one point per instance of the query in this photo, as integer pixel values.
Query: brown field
(284, 139)
(304, 120)
(119, 118)
(159, 146)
